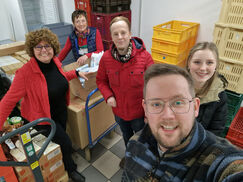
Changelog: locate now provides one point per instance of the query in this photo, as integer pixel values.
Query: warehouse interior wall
(145, 15)
(205, 12)
(13, 25)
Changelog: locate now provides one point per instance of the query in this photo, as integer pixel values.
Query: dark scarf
(82, 35)
(123, 58)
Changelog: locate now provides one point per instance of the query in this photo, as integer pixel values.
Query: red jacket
(29, 84)
(124, 81)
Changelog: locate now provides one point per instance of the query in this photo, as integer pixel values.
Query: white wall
(154, 12)
(145, 15)
(66, 7)
(12, 21)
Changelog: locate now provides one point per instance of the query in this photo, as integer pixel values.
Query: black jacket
(213, 108)
(213, 115)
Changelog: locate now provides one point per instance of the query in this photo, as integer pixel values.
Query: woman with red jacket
(83, 41)
(120, 77)
(43, 87)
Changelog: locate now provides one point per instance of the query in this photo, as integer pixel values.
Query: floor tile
(118, 130)
(107, 164)
(117, 176)
(93, 175)
(119, 148)
(80, 161)
(109, 140)
(96, 152)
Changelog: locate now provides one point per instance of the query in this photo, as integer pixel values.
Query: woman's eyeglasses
(40, 47)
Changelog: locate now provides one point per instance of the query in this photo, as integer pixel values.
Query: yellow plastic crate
(233, 72)
(180, 64)
(229, 42)
(170, 47)
(192, 42)
(169, 57)
(232, 13)
(175, 31)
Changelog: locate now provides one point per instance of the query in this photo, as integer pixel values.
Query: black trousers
(64, 141)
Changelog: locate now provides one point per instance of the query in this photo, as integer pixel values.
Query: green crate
(224, 133)
(234, 102)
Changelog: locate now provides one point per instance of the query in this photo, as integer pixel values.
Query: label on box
(54, 153)
(55, 166)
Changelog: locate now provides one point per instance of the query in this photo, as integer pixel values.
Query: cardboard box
(63, 178)
(101, 118)
(54, 172)
(76, 89)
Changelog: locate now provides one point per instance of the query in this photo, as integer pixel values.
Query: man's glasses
(40, 47)
(178, 105)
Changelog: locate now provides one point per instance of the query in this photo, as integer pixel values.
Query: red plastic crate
(102, 22)
(84, 5)
(236, 128)
(235, 142)
(110, 6)
(6, 172)
(107, 44)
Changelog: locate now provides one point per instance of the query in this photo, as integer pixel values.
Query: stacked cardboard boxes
(51, 163)
(172, 41)
(101, 116)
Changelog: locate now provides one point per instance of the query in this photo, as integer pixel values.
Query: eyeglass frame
(170, 106)
(40, 47)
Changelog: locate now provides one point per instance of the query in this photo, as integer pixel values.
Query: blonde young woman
(202, 64)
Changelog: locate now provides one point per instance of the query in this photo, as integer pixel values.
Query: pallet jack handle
(32, 157)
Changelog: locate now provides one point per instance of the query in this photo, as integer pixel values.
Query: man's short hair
(121, 18)
(167, 69)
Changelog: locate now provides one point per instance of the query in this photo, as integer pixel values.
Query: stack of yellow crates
(172, 41)
(228, 36)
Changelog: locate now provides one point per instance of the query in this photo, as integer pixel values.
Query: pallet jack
(26, 141)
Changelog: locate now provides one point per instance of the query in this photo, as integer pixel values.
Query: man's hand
(111, 101)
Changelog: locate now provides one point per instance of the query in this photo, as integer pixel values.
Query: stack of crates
(234, 102)
(103, 11)
(235, 133)
(84, 5)
(172, 41)
(228, 36)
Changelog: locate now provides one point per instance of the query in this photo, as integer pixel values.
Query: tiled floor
(105, 158)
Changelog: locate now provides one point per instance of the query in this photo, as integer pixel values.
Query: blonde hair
(204, 46)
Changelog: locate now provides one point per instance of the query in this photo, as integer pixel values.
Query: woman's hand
(81, 60)
(111, 101)
(85, 74)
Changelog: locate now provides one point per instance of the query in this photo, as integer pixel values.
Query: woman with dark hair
(83, 41)
(202, 64)
(43, 87)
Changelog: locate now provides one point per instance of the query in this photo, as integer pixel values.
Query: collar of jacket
(191, 143)
(213, 93)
